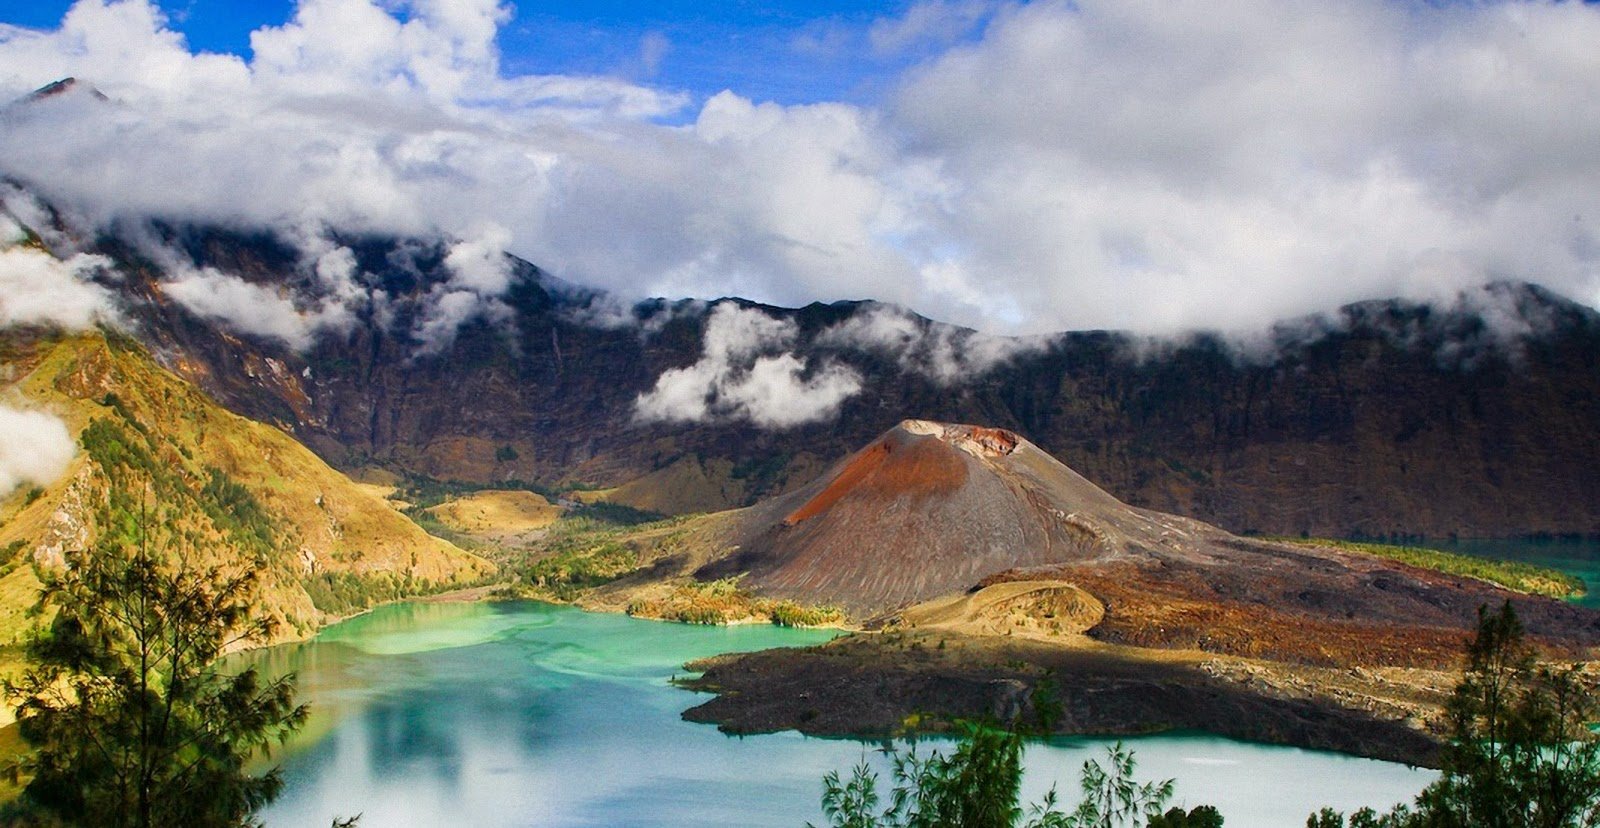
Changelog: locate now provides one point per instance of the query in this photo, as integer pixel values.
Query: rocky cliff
(1474, 418)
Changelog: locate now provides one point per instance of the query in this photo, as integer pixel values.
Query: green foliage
(114, 448)
(1513, 575)
(1400, 817)
(234, 510)
(1201, 816)
(129, 456)
(427, 492)
(505, 454)
(977, 786)
(131, 722)
(1045, 697)
(761, 471)
(723, 601)
(603, 516)
(974, 786)
(347, 593)
(1521, 754)
(1112, 797)
(851, 804)
(11, 556)
(790, 614)
(569, 572)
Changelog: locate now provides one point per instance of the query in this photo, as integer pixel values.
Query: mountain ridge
(1385, 418)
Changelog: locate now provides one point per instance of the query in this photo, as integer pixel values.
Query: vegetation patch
(566, 574)
(725, 602)
(1513, 575)
(347, 593)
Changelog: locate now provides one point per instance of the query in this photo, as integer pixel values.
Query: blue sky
(789, 52)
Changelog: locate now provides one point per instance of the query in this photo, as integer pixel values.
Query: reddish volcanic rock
(928, 509)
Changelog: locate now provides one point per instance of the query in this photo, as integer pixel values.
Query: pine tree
(131, 719)
(1520, 755)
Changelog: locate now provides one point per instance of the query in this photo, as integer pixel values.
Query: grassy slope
(335, 548)
(1513, 575)
(497, 513)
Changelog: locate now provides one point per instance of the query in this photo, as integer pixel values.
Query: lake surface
(529, 714)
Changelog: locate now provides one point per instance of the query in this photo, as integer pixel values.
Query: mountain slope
(930, 510)
(244, 493)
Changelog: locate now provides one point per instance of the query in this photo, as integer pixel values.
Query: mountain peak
(928, 508)
(62, 87)
(978, 441)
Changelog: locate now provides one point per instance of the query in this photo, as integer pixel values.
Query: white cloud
(1101, 163)
(246, 307)
(1145, 166)
(36, 288)
(35, 448)
(653, 49)
(936, 21)
(745, 373)
(945, 353)
(480, 273)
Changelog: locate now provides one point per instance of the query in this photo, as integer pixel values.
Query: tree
(1112, 798)
(1201, 816)
(977, 786)
(131, 719)
(1520, 753)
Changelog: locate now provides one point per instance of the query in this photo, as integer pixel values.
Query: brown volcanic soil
(1283, 603)
(929, 509)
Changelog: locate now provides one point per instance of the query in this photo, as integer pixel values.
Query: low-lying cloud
(944, 353)
(480, 274)
(260, 310)
(35, 448)
(1095, 164)
(746, 372)
(37, 288)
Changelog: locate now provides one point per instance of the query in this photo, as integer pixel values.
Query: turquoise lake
(511, 714)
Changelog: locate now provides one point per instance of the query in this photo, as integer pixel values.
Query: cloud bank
(944, 353)
(1096, 164)
(37, 288)
(34, 448)
(745, 372)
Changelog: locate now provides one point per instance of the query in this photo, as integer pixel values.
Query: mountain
(929, 509)
(997, 576)
(1472, 418)
(231, 491)
(996, 526)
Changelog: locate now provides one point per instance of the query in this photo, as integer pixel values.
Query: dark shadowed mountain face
(1386, 417)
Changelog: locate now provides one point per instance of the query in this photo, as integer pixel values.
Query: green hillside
(243, 492)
